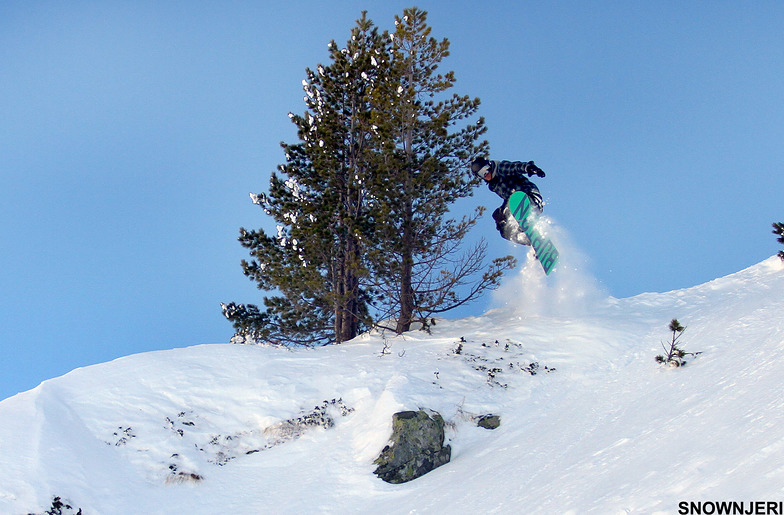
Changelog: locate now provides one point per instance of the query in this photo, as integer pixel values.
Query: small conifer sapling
(673, 354)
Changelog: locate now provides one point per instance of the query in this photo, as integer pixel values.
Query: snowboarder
(504, 178)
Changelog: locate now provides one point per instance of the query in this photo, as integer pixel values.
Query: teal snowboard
(527, 215)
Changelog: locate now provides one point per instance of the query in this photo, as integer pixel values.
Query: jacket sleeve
(511, 168)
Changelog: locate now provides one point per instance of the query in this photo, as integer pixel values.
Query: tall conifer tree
(315, 260)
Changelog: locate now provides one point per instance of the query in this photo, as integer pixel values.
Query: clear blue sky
(132, 133)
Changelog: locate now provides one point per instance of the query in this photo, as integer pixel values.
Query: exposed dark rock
(489, 421)
(416, 447)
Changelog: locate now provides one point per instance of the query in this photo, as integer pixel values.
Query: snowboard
(527, 215)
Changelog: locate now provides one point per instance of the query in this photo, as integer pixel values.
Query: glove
(532, 169)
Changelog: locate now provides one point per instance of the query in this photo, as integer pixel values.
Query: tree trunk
(407, 301)
(347, 290)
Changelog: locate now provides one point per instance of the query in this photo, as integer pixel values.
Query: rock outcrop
(416, 447)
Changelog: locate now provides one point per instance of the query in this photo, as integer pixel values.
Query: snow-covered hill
(589, 422)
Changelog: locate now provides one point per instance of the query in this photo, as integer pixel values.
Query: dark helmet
(481, 167)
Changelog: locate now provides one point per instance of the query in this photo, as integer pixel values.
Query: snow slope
(221, 428)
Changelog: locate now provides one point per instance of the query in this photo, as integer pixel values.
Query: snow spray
(569, 291)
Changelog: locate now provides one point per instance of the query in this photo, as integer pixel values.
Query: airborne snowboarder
(504, 178)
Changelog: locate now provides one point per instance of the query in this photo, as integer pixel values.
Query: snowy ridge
(589, 422)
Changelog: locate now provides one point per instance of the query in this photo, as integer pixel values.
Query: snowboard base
(527, 215)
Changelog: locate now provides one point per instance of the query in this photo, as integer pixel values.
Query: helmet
(482, 167)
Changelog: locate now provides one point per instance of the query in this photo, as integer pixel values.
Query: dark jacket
(510, 176)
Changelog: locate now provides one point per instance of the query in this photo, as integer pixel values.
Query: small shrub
(673, 355)
(62, 508)
(319, 416)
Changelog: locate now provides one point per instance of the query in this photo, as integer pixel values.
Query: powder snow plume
(570, 290)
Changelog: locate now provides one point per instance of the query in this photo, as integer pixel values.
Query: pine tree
(778, 229)
(673, 355)
(422, 171)
(361, 202)
(315, 259)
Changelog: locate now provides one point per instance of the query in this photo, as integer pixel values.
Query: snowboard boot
(508, 227)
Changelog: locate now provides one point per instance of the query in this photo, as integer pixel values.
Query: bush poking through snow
(778, 229)
(494, 360)
(673, 355)
(123, 434)
(319, 416)
(61, 508)
(194, 439)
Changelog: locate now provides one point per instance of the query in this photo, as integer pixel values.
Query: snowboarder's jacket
(510, 176)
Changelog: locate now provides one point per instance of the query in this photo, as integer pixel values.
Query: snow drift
(589, 422)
